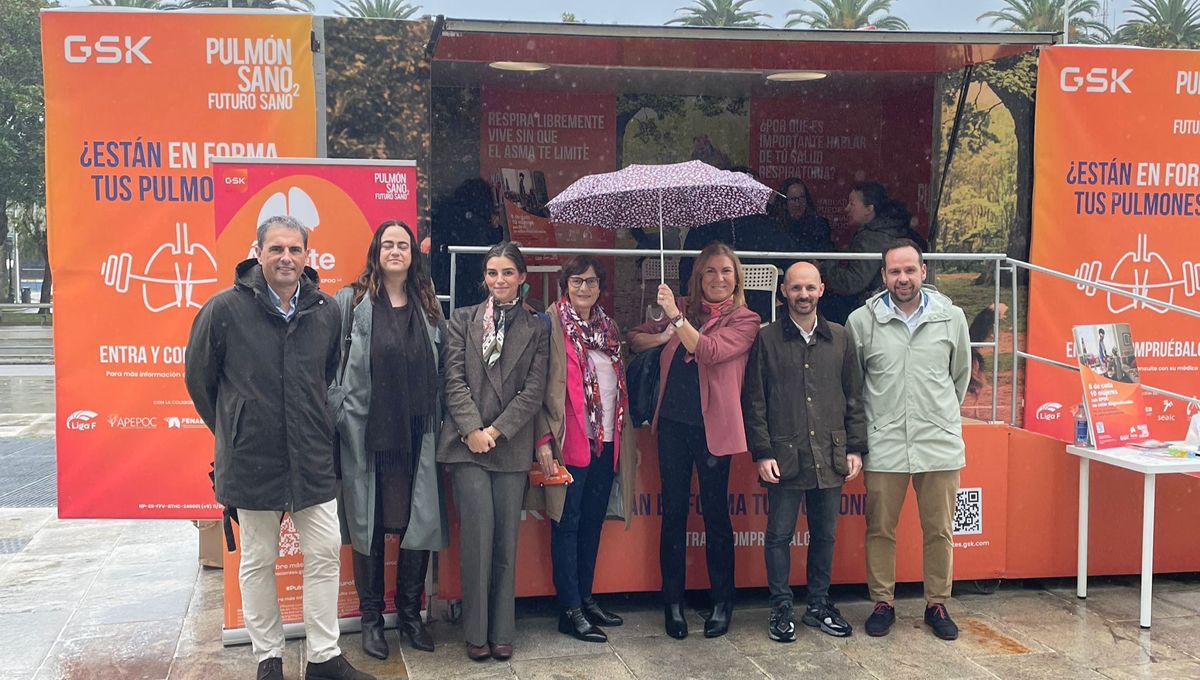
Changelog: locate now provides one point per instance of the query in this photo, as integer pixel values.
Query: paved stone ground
(86, 600)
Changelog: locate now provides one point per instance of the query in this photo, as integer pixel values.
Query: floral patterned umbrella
(675, 195)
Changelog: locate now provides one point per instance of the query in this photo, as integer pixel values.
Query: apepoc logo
(1051, 410)
(82, 421)
(107, 49)
(1096, 80)
(118, 422)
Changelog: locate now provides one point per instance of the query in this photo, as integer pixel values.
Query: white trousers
(320, 541)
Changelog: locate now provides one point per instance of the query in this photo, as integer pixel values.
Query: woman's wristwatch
(677, 320)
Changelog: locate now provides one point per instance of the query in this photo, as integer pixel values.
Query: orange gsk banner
(138, 104)
(1116, 200)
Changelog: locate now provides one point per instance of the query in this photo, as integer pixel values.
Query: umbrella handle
(662, 255)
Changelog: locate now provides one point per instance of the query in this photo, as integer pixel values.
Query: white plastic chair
(650, 273)
(761, 277)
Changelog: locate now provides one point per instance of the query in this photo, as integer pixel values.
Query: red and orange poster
(533, 145)
(1112, 395)
(341, 202)
(138, 104)
(832, 147)
(1116, 200)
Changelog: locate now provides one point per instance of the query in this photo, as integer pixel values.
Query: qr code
(968, 512)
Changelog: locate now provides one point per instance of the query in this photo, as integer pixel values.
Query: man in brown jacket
(806, 429)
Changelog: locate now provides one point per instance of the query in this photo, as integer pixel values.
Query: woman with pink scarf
(584, 425)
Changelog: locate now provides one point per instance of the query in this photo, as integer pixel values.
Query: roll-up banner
(138, 104)
(342, 202)
(1116, 201)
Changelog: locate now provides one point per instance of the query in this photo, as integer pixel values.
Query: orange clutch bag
(560, 478)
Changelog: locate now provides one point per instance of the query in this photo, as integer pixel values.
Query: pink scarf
(598, 333)
(713, 314)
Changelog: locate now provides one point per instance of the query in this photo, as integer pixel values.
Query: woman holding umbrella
(585, 425)
(706, 341)
(495, 381)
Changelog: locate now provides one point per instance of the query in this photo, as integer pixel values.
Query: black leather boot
(410, 587)
(368, 581)
(598, 616)
(718, 624)
(675, 621)
(572, 622)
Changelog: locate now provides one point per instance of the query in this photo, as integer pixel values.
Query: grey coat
(913, 385)
(428, 527)
(507, 396)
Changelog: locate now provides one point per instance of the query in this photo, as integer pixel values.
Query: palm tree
(1162, 23)
(289, 5)
(847, 14)
(376, 9)
(1047, 16)
(719, 13)
(144, 4)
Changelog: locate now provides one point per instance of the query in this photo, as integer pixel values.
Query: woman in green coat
(392, 411)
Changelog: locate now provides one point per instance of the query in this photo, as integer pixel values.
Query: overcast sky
(921, 15)
(931, 15)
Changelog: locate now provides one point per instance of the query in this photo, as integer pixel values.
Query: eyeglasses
(580, 282)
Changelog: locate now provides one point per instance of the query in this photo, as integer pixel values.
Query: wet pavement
(107, 599)
(98, 600)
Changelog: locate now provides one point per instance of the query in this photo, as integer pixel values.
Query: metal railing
(1016, 264)
(1000, 263)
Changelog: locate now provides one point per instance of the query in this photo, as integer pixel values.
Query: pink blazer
(576, 449)
(721, 353)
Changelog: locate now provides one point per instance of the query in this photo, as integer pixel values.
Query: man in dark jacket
(259, 361)
(802, 407)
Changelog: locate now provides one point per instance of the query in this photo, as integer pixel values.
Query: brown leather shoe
(478, 652)
(501, 652)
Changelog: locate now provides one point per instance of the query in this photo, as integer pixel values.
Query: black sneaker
(337, 668)
(826, 617)
(270, 669)
(937, 618)
(880, 621)
(781, 628)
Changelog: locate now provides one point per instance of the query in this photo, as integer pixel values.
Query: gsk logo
(107, 49)
(1096, 80)
(236, 179)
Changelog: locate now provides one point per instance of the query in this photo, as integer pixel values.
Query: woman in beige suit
(495, 383)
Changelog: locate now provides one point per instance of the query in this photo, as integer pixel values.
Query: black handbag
(642, 382)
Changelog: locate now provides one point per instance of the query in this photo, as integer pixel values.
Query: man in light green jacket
(913, 346)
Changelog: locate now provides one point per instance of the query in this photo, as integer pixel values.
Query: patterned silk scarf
(599, 333)
(493, 328)
(713, 314)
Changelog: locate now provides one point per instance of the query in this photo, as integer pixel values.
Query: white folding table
(1150, 465)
